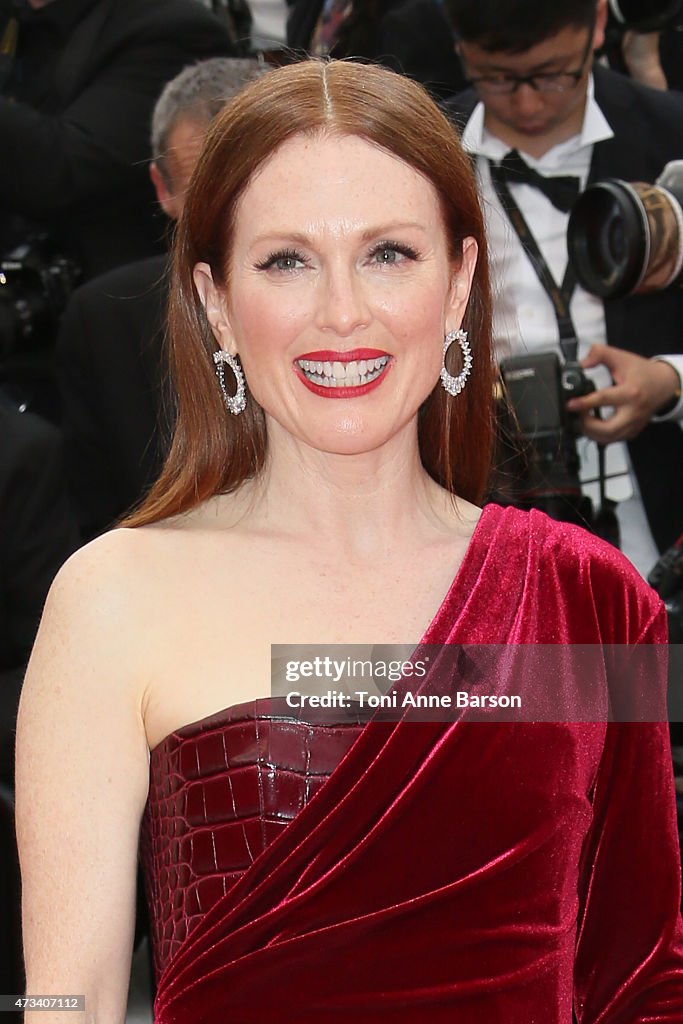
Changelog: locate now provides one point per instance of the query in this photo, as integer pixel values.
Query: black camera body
(538, 464)
(35, 283)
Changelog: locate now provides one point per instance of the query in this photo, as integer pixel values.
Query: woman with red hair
(330, 348)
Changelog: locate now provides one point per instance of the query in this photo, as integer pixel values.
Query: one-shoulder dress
(460, 871)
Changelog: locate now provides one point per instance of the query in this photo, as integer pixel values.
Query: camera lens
(626, 237)
(616, 241)
(608, 239)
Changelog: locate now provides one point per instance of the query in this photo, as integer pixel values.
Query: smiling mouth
(338, 374)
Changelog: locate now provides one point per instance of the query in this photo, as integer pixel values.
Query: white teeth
(338, 375)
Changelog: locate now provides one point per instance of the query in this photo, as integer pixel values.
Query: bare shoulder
(96, 617)
(113, 573)
(110, 560)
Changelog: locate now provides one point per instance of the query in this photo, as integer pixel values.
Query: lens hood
(608, 239)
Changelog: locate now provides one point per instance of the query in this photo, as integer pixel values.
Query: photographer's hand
(641, 387)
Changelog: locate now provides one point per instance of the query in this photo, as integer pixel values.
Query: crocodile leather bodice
(221, 790)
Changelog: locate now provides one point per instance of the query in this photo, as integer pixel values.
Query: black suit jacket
(648, 132)
(112, 387)
(75, 156)
(412, 37)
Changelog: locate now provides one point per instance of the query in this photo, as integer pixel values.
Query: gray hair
(198, 93)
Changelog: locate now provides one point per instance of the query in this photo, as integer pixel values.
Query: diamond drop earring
(237, 402)
(454, 385)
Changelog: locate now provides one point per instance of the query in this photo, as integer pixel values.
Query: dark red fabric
(220, 791)
(469, 872)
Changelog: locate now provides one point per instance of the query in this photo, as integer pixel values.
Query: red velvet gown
(463, 872)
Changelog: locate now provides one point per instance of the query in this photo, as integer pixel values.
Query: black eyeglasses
(552, 81)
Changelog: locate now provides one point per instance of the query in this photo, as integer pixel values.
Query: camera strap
(559, 295)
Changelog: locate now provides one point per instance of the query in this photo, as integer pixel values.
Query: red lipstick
(329, 356)
(353, 391)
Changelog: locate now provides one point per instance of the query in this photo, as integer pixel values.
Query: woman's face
(340, 290)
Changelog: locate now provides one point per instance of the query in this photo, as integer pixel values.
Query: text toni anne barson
(459, 699)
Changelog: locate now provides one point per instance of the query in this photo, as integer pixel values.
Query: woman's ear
(212, 299)
(461, 284)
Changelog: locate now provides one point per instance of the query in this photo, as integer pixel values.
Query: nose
(527, 101)
(342, 301)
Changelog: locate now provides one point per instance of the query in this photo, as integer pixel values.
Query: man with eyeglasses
(542, 121)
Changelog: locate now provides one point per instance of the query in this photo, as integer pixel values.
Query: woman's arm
(81, 783)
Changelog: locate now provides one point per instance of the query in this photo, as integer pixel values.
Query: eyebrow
(378, 231)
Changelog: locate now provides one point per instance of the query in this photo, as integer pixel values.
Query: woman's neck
(363, 503)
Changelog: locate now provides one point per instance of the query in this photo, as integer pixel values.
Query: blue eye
(388, 253)
(286, 261)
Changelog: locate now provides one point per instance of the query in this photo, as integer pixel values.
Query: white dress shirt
(524, 316)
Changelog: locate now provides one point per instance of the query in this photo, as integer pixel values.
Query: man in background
(542, 121)
(116, 419)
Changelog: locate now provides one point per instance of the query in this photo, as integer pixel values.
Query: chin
(532, 129)
(354, 437)
(349, 445)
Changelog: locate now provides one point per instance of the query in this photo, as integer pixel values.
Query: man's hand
(641, 386)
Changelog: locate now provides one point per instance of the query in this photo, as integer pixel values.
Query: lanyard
(559, 295)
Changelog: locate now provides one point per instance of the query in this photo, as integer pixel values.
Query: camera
(35, 284)
(538, 463)
(644, 15)
(36, 280)
(627, 237)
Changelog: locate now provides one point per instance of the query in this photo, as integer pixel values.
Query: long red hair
(214, 452)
